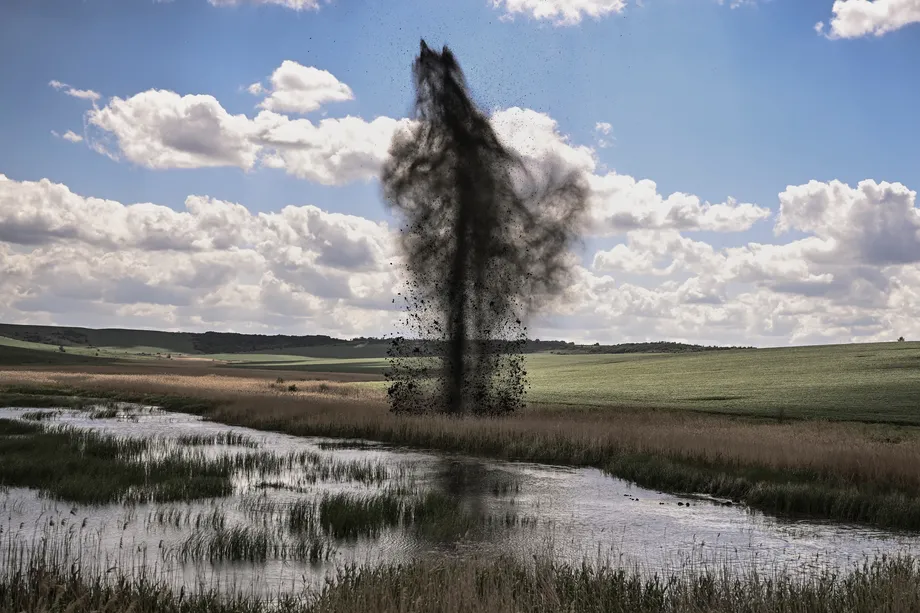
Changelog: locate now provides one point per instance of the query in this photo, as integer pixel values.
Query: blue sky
(701, 97)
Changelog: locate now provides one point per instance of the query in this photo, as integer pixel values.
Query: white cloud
(332, 152)
(83, 94)
(213, 265)
(620, 203)
(217, 265)
(72, 136)
(603, 130)
(873, 223)
(560, 12)
(161, 129)
(297, 5)
(855, 277)
(857, 18)
(301, 89)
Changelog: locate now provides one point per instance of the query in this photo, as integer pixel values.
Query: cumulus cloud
(213, 263)
(217, 265)
(872, 223)
(620, 203)
(332, 151)
(603, 131)
(560, 12)
(301, 89)
(857, 18)
(161, 129)
(852, 278)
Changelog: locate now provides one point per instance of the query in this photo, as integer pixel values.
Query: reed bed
(87, 467)
(891, 585)
(349, 516)
(247, 544)
(842, 471)
(40, 415)
(220, 438)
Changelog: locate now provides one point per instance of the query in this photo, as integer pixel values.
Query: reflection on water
(522, 509)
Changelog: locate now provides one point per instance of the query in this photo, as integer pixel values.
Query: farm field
(859, 382)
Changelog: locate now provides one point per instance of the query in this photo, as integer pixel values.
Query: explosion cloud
(486, 241)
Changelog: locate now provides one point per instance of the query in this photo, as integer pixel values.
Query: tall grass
(349, 516)
(247, 544)
(88, 467)
(220, 438)
(890, 585)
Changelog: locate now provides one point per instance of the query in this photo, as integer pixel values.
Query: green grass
(349, 516)
(87, 467)
(14, 352)
(302, 364)
(869, 382)
(169, 342)
(15, 355)
(245, 544)
(857, 382)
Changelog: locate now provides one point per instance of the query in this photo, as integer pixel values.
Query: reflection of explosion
(485, 240)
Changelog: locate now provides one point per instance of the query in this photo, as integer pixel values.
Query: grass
(860, 382)
(433, 515)
(485, 586)
(220, 438)
(866, 382)
(870, 382)
(247, 544)
(88, 467)
(349, 516)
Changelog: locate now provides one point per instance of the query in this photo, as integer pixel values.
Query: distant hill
(149, 342)
(651, 347)
(178, 342)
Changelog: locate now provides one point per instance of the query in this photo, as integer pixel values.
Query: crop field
(872, 382)
(868, 382)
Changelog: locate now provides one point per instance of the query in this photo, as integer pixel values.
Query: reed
(486, 586)
(87, 467)
(247, 544)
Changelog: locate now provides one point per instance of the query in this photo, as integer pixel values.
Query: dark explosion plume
(486, 240)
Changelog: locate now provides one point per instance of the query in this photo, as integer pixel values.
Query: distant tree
(901, 339)
(61, 349)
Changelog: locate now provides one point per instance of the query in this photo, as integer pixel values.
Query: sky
(213, 164)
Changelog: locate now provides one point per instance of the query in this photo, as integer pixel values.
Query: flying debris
(486, 241)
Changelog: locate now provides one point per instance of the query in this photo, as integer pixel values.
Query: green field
(13, 351)
(866, 382)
